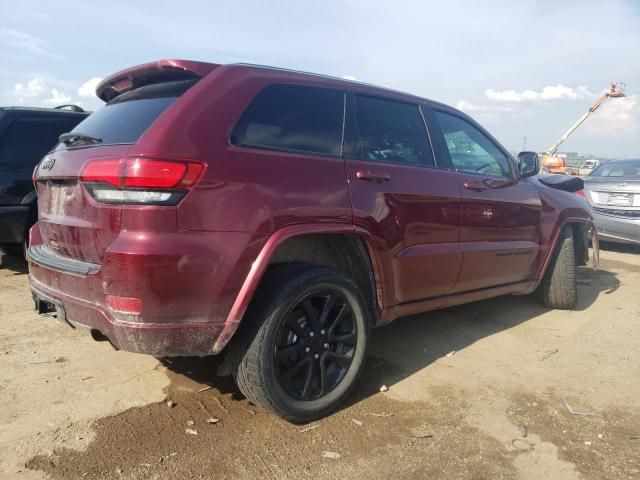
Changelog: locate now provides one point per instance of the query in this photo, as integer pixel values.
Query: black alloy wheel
(315, 344)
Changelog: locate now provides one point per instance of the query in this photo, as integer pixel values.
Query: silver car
(613, 191)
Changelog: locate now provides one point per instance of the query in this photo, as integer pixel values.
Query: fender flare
(554, 244)
(260, 264)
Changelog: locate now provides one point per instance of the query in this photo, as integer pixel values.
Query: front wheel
(558, 287)
(303, 342)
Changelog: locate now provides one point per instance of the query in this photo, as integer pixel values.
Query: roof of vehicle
(43, 110)
(173, 69)
(344, 82)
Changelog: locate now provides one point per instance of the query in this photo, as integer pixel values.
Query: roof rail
(73, 108)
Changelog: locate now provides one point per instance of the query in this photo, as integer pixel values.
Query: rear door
(408, 201)
(500, 233)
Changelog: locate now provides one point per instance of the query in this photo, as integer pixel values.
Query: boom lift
(554, 164)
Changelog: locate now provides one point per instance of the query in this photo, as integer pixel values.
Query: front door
(500, 234)
(403, 197)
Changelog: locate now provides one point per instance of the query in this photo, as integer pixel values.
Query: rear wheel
(558, 287)
(303, 342)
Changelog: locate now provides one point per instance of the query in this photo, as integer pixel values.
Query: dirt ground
(502, 388)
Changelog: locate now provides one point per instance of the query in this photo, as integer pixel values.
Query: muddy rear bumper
(185, 284)
(157, 339)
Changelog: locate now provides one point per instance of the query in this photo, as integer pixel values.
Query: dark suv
(278, 216)
(26, 135)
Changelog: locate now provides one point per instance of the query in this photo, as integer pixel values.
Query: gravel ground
(485, 390)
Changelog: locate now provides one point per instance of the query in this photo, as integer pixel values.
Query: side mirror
(528, 164)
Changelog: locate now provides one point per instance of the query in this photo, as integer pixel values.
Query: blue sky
(526, 68)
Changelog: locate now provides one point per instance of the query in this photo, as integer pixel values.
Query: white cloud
(551, 92)
(57, 98)
(468, 107)
(471, 107)
(43, 90)
(488, 112)
(33, 88)
(350, 77)
(21, 41)
(88, 88)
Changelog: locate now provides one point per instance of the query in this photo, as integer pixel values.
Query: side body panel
(499, 234)
(412, 212)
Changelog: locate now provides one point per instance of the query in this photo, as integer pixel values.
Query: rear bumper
(616, 229)
(14, 223)
(187, 284)
(158, 339)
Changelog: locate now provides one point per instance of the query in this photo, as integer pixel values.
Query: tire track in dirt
(396, 439)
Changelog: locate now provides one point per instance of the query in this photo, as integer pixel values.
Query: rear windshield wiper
(73, 137)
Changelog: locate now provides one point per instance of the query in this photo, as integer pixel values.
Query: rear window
(618, 169)
(125, 118)
(293, 118)
(28, 139)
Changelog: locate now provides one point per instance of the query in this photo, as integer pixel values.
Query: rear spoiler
(150, 73)
(567, 183)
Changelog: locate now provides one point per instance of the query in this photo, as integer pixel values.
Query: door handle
(475, 186)
(372, 176)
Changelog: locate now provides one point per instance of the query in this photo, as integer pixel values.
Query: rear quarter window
(293, 118)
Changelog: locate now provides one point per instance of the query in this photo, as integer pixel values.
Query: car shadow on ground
(619, 247)
(13, 262)
(410, 344)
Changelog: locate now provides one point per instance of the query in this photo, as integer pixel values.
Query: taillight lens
(581, 193)
(140, 180)
(102, 171)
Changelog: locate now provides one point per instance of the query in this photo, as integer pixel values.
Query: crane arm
(554, 148)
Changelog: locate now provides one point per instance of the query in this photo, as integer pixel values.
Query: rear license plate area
(620, 200)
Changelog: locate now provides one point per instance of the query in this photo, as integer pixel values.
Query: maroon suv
(278, 216)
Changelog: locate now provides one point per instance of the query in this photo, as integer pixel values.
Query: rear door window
(28, 139)
(471, 151)
(124, 119)
(389, 131)
(293, 118)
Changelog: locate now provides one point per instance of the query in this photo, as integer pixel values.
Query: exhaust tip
(98, 336)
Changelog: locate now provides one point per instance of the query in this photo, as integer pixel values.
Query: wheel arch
(312, 244)
(580, 226)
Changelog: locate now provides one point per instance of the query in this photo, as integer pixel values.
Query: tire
(558, 288)
(279, 337)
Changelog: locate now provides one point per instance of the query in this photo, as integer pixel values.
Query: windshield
(626, 168)
(125, 118)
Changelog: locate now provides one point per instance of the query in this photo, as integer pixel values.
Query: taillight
(102, 171)
(580, 193)
(140, 180)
